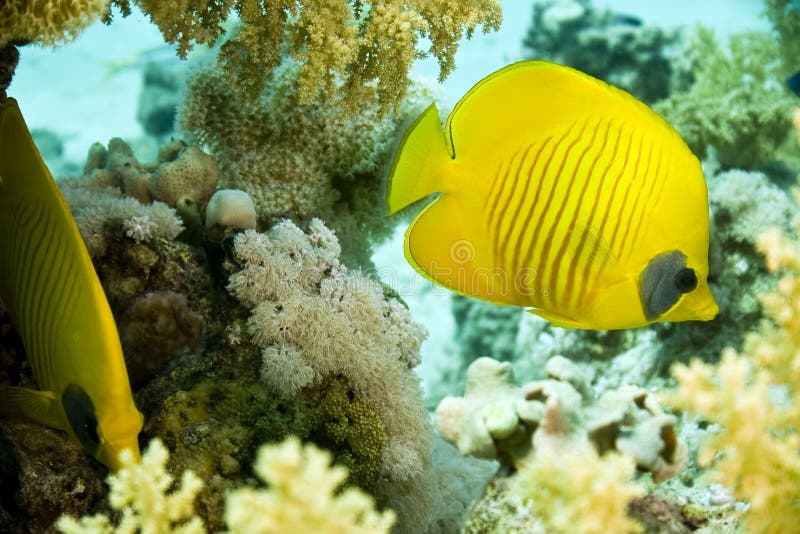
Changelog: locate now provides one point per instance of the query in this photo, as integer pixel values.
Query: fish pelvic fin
(40, 406)
(418, 166)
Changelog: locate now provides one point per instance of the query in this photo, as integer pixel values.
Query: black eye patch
(663, 281)
(80, 413)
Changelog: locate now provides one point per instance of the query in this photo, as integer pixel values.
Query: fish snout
(118, 455)
(708, 311)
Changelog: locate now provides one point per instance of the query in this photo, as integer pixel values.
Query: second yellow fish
(560, 193)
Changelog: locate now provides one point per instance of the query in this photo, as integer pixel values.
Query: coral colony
(276, 372)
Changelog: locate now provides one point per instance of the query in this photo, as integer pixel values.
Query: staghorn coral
(496, 419)
(313, 319)
(345, 47)
(737, 104)
(754, 395)
(297, 160)
(302, 496)
(48, 22)
(610, 46)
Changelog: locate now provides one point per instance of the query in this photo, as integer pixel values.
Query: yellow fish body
(54, 298)
(560, 193)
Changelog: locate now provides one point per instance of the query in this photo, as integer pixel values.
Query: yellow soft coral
(139, 491)
(302, 497)
(345, 46)
(48, 22)
(579, 491)
(755, 397)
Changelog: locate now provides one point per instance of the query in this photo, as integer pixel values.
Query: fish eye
(685, 280)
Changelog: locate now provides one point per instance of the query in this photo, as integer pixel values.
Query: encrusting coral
(302, 496)
(497, 419)
(755, 397)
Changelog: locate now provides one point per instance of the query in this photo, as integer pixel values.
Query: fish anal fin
(561, 321)
(445, 246)
(40, 406)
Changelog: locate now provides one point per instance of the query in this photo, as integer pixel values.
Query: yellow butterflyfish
(54, 299)
(560, 193)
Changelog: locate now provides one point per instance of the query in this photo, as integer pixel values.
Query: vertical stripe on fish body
(559, 193)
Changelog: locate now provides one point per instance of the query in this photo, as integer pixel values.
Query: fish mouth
(708, 312)
(119, 455)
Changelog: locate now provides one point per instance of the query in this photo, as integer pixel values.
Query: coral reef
(345, 47)
(497, 419)
(614, 47)
(737, 102)
(297, 160)
(754, 395)
(48, 23)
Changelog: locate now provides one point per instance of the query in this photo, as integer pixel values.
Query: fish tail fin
(417, 169)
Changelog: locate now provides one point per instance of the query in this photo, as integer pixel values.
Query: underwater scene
(418, 266)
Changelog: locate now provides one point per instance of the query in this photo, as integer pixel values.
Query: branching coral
(755, 396)
(348, 45)
(737, 103)
(785, 18)
(48, 22)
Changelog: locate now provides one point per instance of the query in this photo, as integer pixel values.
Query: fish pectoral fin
(582, 238)
(559, 320)
(41, 406)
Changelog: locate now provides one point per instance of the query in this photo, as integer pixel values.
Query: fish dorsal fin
(40, 406)
(534, 94)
